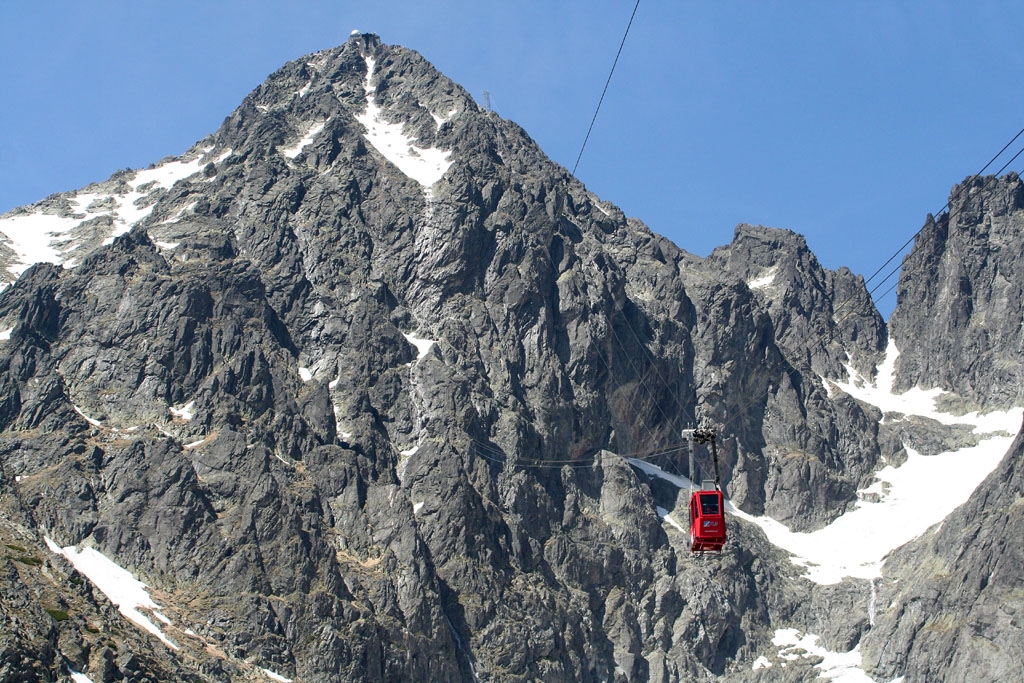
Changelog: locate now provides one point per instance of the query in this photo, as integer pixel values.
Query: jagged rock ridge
(964, 275)
(358, 426)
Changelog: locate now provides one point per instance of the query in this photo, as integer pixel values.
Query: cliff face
(958, 324)
(351, 386)
(954, 596)
(822, 319)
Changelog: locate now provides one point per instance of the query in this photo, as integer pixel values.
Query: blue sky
(846, 122)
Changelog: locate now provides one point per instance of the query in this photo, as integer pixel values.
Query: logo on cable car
(707, 523)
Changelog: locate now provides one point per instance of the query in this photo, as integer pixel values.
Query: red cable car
(707, 505)
(707, 521)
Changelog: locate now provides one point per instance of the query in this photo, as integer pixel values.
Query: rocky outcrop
(950, 602)
(812, 452)
(958, 320)
(822, 318)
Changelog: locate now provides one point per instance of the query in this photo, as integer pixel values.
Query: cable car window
(709, 505)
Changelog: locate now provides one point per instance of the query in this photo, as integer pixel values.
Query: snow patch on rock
(425, 165)
(835, 666)
(42, 237)
(118, 584)
(304, 141)
(422, 345)
(184, 412)
(93, 422)
(666, 516)
(917, 401)
(765, 279)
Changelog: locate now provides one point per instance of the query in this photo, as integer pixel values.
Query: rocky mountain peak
(960, 297)
(822, 318)
(364, 387)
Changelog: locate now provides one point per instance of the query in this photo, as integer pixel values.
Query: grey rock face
(815, 451)
(822, 318)
(958, 321)
(951, 601)
(352, 426)
(948, 601)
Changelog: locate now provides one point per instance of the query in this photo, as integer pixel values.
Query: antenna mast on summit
(487, 100)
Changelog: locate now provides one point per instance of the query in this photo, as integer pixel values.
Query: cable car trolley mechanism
(707, 504)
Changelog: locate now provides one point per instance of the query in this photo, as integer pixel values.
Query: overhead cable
(594, 118)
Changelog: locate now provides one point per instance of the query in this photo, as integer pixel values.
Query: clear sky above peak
(846, 122)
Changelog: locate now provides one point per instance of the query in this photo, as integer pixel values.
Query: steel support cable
(946, 206)
(886, 292)
(897, 268)
(793, 373)
(949, 218)
(594, 118)
(824, 339)
(575, 166)
(486, 448)
(491, 453)
(914, 236)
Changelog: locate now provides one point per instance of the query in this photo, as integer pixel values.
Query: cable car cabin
(707, 521)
